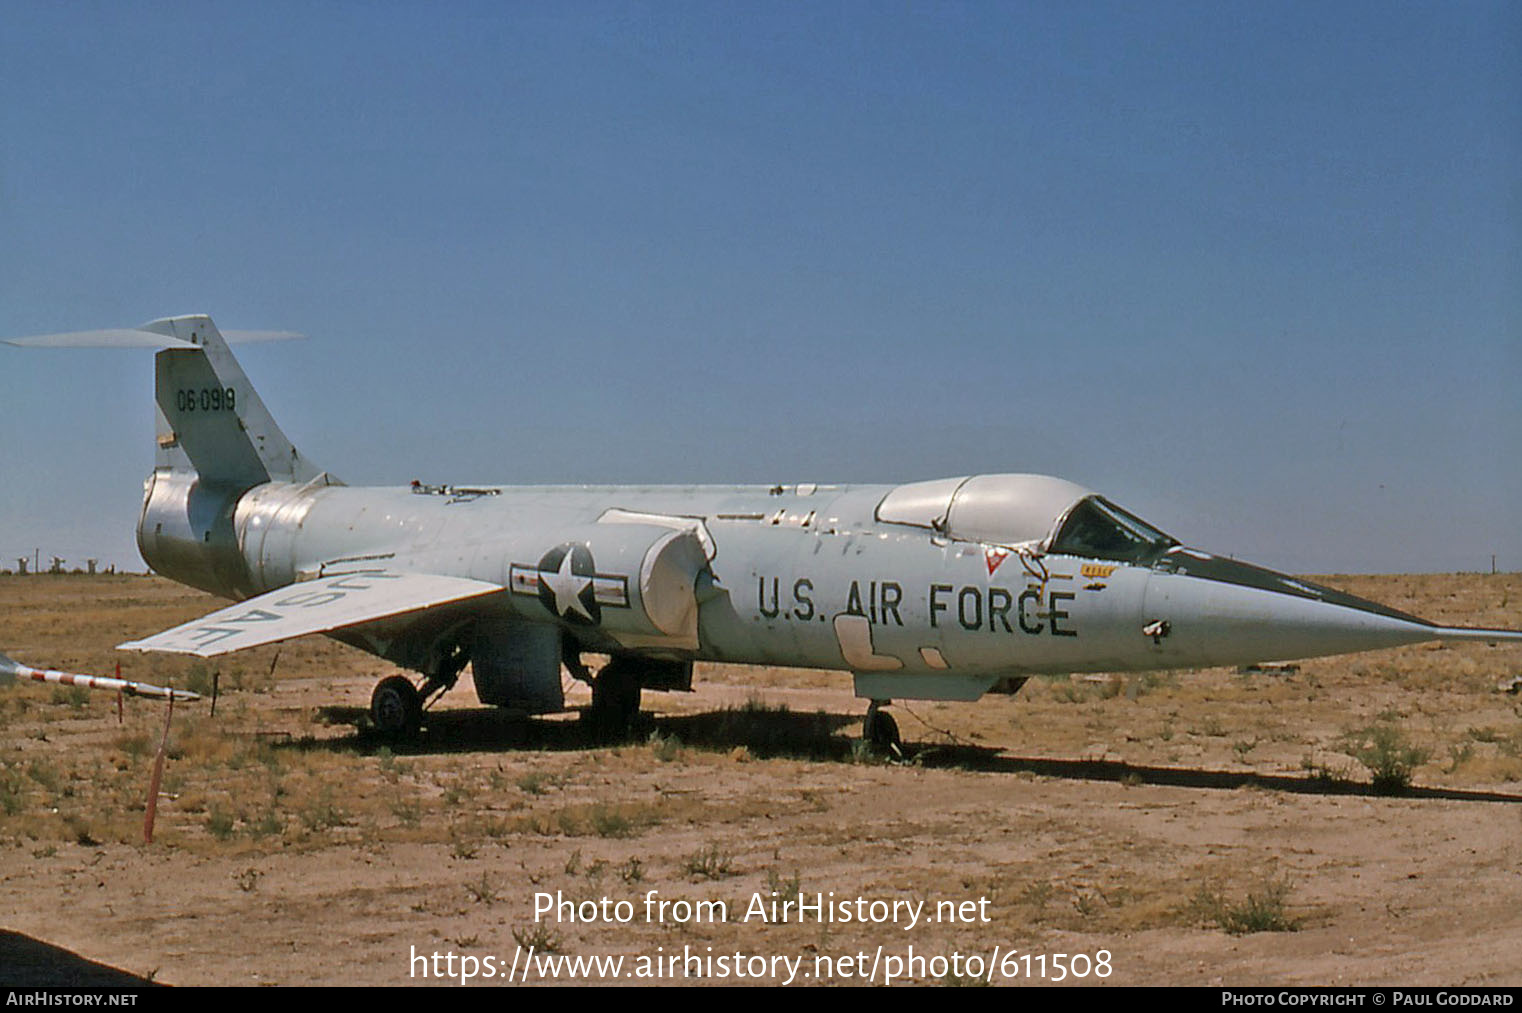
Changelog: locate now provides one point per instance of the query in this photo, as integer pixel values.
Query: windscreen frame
(1144, 543)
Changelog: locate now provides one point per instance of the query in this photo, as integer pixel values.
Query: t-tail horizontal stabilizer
(140, 337)
(210, 420)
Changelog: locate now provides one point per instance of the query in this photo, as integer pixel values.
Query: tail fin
(210, 419)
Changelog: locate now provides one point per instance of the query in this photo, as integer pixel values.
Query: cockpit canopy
(1036, 512)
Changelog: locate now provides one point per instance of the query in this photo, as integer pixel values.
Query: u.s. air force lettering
(1034, 610)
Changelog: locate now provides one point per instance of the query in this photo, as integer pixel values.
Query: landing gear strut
(396, 706)
(615, 700)
(880, 730)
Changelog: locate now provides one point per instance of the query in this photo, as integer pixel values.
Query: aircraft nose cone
(1223, 611)
(1194, 563)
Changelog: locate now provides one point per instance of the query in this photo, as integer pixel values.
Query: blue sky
(1252, 270)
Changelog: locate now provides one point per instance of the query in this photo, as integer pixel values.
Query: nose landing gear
(880, 730)
(615, 700)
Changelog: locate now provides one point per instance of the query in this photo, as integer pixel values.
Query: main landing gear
(881, 731)
(396, 706)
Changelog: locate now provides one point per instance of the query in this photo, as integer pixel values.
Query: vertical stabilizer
(210, 420)
(216, 441)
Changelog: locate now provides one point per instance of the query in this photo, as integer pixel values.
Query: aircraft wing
(312, 606)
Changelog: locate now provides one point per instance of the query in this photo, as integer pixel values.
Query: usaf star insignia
(567, 584)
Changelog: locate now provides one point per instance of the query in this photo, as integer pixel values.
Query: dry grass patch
(1387, 753)
(1261, 908)
(592, 819)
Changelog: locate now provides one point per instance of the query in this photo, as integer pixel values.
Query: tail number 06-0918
(207, 399)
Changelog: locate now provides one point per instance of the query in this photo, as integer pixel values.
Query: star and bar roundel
(567, 583)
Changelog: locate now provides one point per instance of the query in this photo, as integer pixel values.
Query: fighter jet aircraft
(939, 590)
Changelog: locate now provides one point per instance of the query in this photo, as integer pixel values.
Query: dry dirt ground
(1200, 827)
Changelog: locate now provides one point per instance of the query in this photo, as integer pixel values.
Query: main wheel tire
(396, 708)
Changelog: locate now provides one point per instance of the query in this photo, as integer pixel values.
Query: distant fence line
(30, 566)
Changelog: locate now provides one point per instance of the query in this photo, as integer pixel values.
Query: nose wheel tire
(396, 708)
(881, 732)
(615, 701)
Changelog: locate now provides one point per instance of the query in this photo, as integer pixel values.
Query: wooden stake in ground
(158, 775)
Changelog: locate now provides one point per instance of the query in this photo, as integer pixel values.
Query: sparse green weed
(534, 783)
(665, 748)
(1389, 757)
(1264, 909)
(198, 678)
(45, 774)
(482, 892)
(1244, 746)
(792, 886)
(610, 822)
(12, 798)
(220, 822)
(74, 697)
(268, 825)
(1036, 894)
(324, 812)
(711, 862)
(538, 937)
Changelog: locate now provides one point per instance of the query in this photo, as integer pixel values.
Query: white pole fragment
(11, 669)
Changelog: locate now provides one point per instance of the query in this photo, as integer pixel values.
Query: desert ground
(1196, 828)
